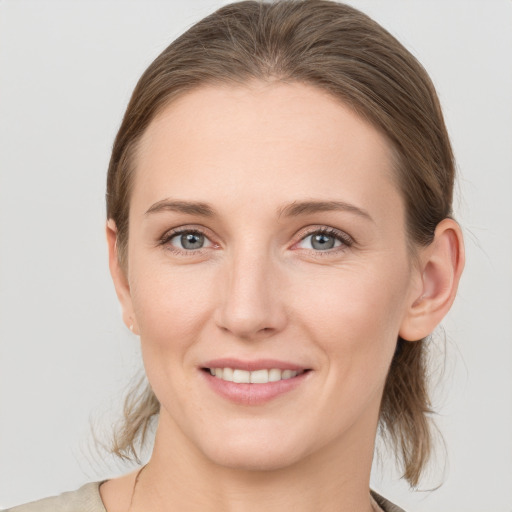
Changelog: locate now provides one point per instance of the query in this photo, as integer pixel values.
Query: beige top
(88, 499)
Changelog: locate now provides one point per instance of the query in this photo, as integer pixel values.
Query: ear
(120, 278)
(440, 268)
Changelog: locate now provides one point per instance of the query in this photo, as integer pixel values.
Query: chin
(254, 460)
(255, 452)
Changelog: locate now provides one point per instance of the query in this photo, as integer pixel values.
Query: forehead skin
(265, 140)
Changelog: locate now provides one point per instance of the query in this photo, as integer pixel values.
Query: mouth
(254, 382)
(262, 376)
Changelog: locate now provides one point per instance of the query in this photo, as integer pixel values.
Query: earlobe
(119, 278)
(441, 265)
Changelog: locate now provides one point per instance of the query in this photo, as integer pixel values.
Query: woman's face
(266, 234)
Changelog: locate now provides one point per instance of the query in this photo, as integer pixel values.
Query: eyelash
(346, 240)
(167, 237)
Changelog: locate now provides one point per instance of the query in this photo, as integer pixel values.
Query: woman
(278, 201)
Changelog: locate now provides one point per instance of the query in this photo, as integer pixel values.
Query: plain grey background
(67, 69)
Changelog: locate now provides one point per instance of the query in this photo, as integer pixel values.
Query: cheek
(354, 314)
(172, 308)
(171, 305)
(357, 330)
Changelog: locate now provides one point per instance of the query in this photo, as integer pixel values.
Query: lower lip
(253, 394)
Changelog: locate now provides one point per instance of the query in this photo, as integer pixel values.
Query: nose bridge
(251, 304)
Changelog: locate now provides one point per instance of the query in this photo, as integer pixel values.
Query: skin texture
(258, 288)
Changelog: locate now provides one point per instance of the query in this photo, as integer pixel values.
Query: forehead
(262, 140)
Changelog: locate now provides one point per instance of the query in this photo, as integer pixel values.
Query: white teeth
(274, 375)
(227, 374)
(259, 377)
(255, 377)
(240, 376)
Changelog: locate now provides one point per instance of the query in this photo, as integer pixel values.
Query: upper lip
(257, 364)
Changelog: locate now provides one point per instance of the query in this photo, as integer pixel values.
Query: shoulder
(384, 504)
(85, 499)
(88, 499)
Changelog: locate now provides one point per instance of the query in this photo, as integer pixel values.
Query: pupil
(322, 242)
(192, 241)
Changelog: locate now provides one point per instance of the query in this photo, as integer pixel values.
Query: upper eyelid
(171, 233)
(329, 230)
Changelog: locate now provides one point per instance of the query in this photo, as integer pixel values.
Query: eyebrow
(298, 208)
(188, 207)
(295, 209)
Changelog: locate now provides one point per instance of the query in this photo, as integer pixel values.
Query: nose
(251, 301)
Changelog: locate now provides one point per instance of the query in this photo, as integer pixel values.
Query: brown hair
(338, 49)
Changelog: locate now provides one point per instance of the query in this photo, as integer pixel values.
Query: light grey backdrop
(67, 69)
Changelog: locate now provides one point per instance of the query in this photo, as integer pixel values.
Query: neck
(333, 479)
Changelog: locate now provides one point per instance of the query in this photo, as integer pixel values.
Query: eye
(323, 240)
(189, 240)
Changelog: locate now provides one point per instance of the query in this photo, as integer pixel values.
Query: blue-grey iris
(322, 241)
(192, 241)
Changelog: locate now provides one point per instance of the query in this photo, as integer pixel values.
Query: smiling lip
(253, 394)
(251, 366)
